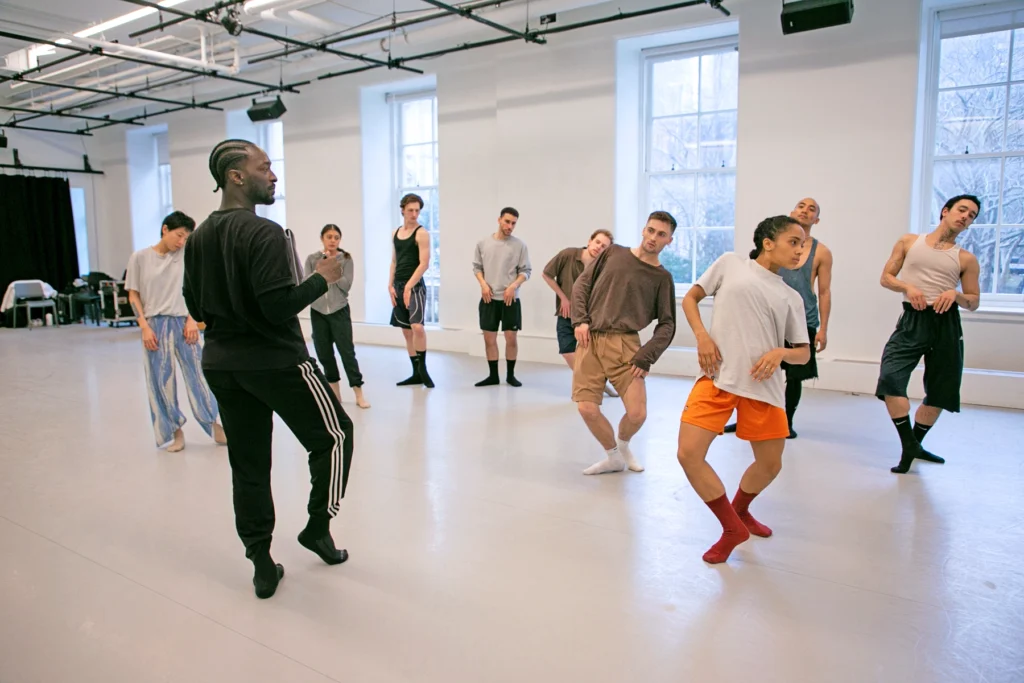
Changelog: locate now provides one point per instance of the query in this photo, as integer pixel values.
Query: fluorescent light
(62, 41)
(124, 19)
(256, 4)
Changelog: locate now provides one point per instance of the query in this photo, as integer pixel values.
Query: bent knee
(636, 415)
(589, 410)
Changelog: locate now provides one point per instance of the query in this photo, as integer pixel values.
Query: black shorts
(566, 335)
(940, 339)
(809, 370)
(492, 314)
(413, 315)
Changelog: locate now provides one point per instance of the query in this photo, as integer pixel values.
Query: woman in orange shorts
(755, 315)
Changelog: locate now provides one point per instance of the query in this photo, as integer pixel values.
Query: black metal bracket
(53, 112)
(86, 168)
(203, 16)
(394, 26)
(11, 126)
(530, 37)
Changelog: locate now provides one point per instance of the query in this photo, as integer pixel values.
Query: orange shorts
(708, 407)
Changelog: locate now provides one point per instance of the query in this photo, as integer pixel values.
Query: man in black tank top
(410, 258)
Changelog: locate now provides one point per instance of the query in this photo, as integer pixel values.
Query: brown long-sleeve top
(618, 292)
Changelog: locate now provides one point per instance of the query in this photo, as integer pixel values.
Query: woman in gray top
(332, 319)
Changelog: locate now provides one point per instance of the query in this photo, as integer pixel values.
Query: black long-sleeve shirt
(625, 295)
(240, 282)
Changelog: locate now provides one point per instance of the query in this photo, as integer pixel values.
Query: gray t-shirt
(501, 262)
(158, 279)
(755, 311)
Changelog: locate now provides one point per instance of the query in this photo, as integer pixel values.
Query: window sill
(994, 313)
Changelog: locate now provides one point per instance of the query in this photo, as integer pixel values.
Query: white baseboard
(980, 387)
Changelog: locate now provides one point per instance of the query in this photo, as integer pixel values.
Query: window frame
(648, 58)
(929, 123)
(432, 276)
(277, 165)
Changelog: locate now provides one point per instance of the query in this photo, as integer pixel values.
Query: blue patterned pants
(162, 380)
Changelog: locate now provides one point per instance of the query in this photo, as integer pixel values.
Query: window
(414, 134)
(163, 160)
(81, 229)
(975, 139)
(270, 138)
(689, 161)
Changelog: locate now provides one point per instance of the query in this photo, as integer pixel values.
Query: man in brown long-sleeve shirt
(618, 295)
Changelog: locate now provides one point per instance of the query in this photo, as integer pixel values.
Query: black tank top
(407, 256)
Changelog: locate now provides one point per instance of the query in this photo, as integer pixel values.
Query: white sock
(613, 463)
(631, 462)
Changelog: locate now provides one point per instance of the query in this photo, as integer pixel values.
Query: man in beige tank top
(930, 267)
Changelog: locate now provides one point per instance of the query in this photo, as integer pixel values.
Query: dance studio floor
(479, 553)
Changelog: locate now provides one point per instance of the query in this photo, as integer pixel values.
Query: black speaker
(808, 15)
(266, 111)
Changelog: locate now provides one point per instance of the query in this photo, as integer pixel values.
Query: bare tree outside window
(416, 166)
(979, 149)
(690, 156)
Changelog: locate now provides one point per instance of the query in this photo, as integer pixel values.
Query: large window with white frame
(974, 140)
(415, 166)
(270, 138)
(690, 97)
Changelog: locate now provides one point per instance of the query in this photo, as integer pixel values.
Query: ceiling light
(62, 41)
(124, 19)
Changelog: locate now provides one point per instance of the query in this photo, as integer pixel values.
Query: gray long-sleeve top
(336, 297)
(501, 262)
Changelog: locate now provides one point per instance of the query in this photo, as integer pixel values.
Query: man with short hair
(561, 273)
(243, 278)
(815, 267)
(930, 268)
(501, 265)
(410, 258)
(618, 295)
(154, 279)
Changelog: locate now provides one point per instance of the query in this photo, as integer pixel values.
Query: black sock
(794, 389)
(415, 377)
(492, 378)
(424, 375)
(920, 430)
(510, 377)
(911, 448)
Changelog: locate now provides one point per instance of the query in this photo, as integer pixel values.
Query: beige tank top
(933, 271)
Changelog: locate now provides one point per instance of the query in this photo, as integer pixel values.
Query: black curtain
(37, 231)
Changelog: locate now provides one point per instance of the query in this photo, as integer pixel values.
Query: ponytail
(769, 229)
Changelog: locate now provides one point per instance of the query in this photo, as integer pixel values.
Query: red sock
(740, 503)
(733, 531)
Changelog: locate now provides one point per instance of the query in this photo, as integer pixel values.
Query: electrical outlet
(548, 19)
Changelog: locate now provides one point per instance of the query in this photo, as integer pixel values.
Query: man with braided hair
(243, 279)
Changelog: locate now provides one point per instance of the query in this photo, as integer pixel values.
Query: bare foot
(178, 444)
(219, 437)
(336, 388)
(360, 399)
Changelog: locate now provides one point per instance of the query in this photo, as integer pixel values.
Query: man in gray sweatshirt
(501, 265)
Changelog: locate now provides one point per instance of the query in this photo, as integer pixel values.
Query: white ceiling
(320, 19)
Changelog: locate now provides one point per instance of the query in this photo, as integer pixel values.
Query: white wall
(828, 113)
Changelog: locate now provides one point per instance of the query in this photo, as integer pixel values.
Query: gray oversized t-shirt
(755, 311)
(501, 262)
(158, 279)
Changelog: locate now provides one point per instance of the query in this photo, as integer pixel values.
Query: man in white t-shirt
(154, 282)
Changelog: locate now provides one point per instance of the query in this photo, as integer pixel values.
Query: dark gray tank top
(800, 280)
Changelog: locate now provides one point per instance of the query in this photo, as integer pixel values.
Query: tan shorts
(608, 357)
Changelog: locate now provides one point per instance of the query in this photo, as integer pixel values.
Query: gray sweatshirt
(336, 297)
(501, 262)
